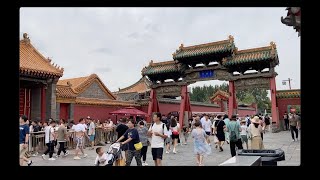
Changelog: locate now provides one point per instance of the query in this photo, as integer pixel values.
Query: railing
(102, 136)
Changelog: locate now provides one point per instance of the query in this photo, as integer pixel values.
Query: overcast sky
(116, 43)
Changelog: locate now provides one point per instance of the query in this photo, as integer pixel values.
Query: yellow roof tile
(33, 62)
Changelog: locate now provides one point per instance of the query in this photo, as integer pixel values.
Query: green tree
(248, 96)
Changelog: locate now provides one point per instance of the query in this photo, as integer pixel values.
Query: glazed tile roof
(65, 92)
(140, 86)
(104, 102)
(162, 67)
(32, 62)
(268, 53)
(216, 95)
(80, 84)
(294, 93)
(205, 49)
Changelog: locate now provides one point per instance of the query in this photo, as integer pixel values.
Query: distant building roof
(294, 93)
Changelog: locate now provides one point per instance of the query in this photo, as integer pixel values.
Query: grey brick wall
(71, 112)
(94, 91)
(35, 104)
(58, 110)
(51, 104)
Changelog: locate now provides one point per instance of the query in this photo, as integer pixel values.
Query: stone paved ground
(185, 156)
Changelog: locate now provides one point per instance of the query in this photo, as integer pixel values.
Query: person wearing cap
(255, 130)
(233, 126)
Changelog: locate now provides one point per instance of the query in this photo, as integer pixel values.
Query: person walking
(219, 131)
(80, 132)
(50, 138)
(206, 125)
(293, 120)
(24, 140)
(34, 128)
(201, 147)
(158, 132)
(91, 132)
(175, 128)
(244, 133)
(132, 137)
(62, 138)
(267, 122)
(143, 131)
(226, 120)
(186, 131)
(121, 129)
(286, 120)
(234, 135)
(248, 121)
(255, 130)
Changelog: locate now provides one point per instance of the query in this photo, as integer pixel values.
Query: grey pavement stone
(186, 157)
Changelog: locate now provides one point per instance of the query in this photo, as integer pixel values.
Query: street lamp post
(284, 82)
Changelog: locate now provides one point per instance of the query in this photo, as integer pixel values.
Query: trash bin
(268, 157)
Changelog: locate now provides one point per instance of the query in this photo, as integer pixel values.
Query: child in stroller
(113, 154)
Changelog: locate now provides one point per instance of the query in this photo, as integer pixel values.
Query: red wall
(64, 111)
(244, 112)
(283, 104)
(96, 112)
(166, 108)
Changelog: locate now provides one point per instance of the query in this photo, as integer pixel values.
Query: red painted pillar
(232, 102)
(274, 101)
(183, 103)
(43, 104)
(153, 105)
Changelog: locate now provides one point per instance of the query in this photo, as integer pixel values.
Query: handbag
(138, 146)
(121, 161)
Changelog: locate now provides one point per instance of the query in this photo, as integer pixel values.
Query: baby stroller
(114, 153)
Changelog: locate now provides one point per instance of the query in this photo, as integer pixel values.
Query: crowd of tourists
(165, 134)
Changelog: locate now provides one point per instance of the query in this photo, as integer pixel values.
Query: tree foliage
(248, 96)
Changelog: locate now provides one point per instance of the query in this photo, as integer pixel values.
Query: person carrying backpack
(234, 130)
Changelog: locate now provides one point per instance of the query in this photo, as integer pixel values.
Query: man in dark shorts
(158, 131)
(121, 129)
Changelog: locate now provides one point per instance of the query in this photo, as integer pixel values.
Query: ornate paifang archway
(182, 71)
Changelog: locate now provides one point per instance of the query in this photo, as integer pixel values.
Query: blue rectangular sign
(206, 74)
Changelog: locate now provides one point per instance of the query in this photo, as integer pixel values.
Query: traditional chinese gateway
(43, 95)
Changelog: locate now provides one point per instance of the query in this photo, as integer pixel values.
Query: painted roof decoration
(65, 92)
(32, 62)
(78, 85)
(268, 53)
(294, 93)
(71, 88)
(205, 49)
(218, 95)
(163, 67)
(140, 86)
